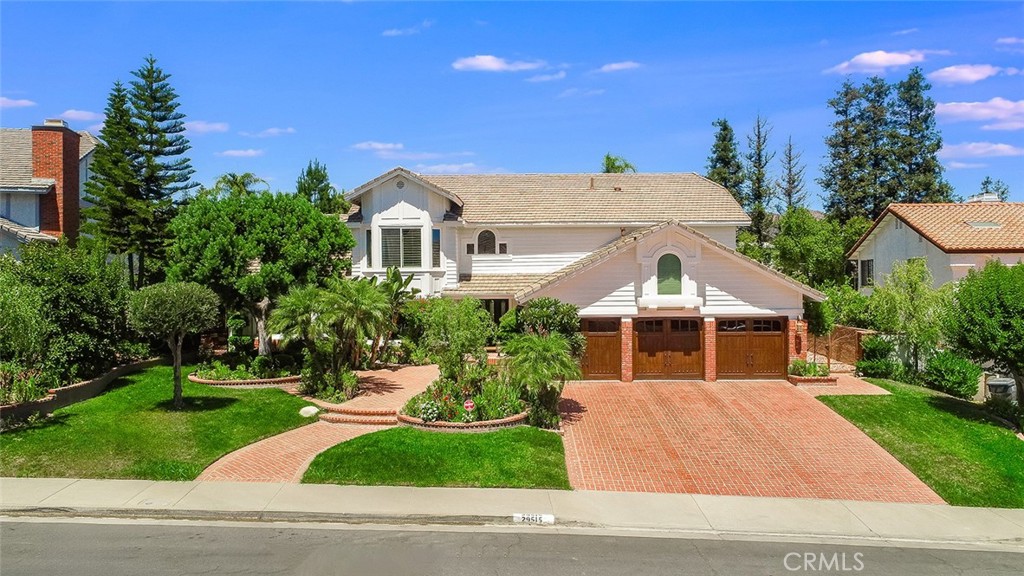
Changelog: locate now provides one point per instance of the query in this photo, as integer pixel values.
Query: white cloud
(6, 102)
(205, 127)
(269, 132)
(246, 153)
(906, 31)
(1010, 40)
(81, 115)
(980, 150)
(547, 77)
(397, 151)
(966, 73)
(619, 66)
(464, 168)
(880, 60)
(572, 92)
(95, 127)
(391, 32)
(954, 165)
(378, 146)
(1002, 114)
(488, 63)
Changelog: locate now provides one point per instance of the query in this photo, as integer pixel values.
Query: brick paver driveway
(738, 438)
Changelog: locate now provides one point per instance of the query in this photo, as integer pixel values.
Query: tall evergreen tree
(759, 188)
(879, 156)
(791, 184)
(315, 185)
(616, 165)
(113, 190)
(841, 176)
(917, 172)
(997, 187)
(724, 164)
(161, 167)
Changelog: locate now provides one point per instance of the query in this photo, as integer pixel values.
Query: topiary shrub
(952, 374)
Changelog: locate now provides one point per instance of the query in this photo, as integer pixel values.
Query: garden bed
(253, 382)
(481, 426)
(813, 380)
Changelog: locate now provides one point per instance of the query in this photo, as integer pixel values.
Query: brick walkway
(728, 438)
(285, 457)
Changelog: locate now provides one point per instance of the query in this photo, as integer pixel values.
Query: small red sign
(469, 405)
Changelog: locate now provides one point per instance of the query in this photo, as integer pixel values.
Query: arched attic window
(486, 242)
(670, 275)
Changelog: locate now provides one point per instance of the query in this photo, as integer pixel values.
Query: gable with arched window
(670, 275)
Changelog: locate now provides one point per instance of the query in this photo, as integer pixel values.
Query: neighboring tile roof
(23, 233)
(616, 246)
(949, 227)
(16, 158)
(570, 198)
(493, 284)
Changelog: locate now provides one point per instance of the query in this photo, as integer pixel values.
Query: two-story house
(952, 239)
(649, 259)
(43, 171)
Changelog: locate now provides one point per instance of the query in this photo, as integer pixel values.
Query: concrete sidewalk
(699, 515)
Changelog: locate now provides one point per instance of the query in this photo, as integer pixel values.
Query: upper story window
(486, 242)
(670, 275)
(435, 248)
(400, 247)
(867, 273)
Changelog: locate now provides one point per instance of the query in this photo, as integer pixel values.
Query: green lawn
(520, 457)
(952, 445)
(132, 430)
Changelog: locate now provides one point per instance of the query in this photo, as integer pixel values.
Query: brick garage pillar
(796, 335)
(627, 349)
(710, 347)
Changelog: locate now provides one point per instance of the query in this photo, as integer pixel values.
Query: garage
(668, 349)
(751, 348)
(603, 358)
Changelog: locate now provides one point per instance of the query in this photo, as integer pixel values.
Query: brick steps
(343, 418)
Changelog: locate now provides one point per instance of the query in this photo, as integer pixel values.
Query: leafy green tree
(114, 190)
(997, 187)
(546, 316)
(986, 319)
(821, 319)
(759, 186)
(790, 185)
(616, 165)
(161, 169)
(315, 185)
(849, 306)
(250, 249)
(171, 311)
(907, 306)
(812, 250)
(724, 164)
(457, 331)
(541, 365)
(915, 142)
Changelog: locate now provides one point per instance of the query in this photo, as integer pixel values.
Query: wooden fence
(843, 345)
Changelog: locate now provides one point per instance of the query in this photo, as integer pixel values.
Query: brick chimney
(55, 155)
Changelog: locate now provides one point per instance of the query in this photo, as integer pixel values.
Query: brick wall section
(710, 347)
(797, 339)
(627, 349)
(55, 155)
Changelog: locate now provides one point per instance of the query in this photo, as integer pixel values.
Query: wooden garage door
(668, 348)
(751, 348)
(603, 358)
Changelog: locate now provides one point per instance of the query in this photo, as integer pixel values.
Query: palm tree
(617, 165)
(234, 184)
(542, 364)
(296, 314)
(397, 291)
(358, 311)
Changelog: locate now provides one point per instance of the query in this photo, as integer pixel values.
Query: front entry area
(751, 348)
(668, 349)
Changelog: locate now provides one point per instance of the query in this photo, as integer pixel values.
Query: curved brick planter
(813, 380)
(482, 426)
(254, 383)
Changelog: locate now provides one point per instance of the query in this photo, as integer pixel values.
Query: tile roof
(16, 158)
(972, 227)
(23, 233)
(616, 246)
(586, 198)
(493, 284)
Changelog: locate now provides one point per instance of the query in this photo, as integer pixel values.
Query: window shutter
(369, 249)
(670, 275)
(435, 248)
(390, 247)
(412, 255)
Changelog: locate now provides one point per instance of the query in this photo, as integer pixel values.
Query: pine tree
(315, 185)
(997, 187)
(917, 172)
(724, 164)
(841, 176)
(113, 189)
(161, 167)
(759, 188)
(879, 155)
(791, 184)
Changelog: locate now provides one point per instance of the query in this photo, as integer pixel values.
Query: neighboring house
(952, 238)
(649, 259)
(43, 171)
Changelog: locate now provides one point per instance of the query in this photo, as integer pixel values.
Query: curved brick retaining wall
(255, 383)
(482, 426)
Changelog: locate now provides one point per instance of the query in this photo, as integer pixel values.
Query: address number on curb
(534, 518)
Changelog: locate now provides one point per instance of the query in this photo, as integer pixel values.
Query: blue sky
(516, 87)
